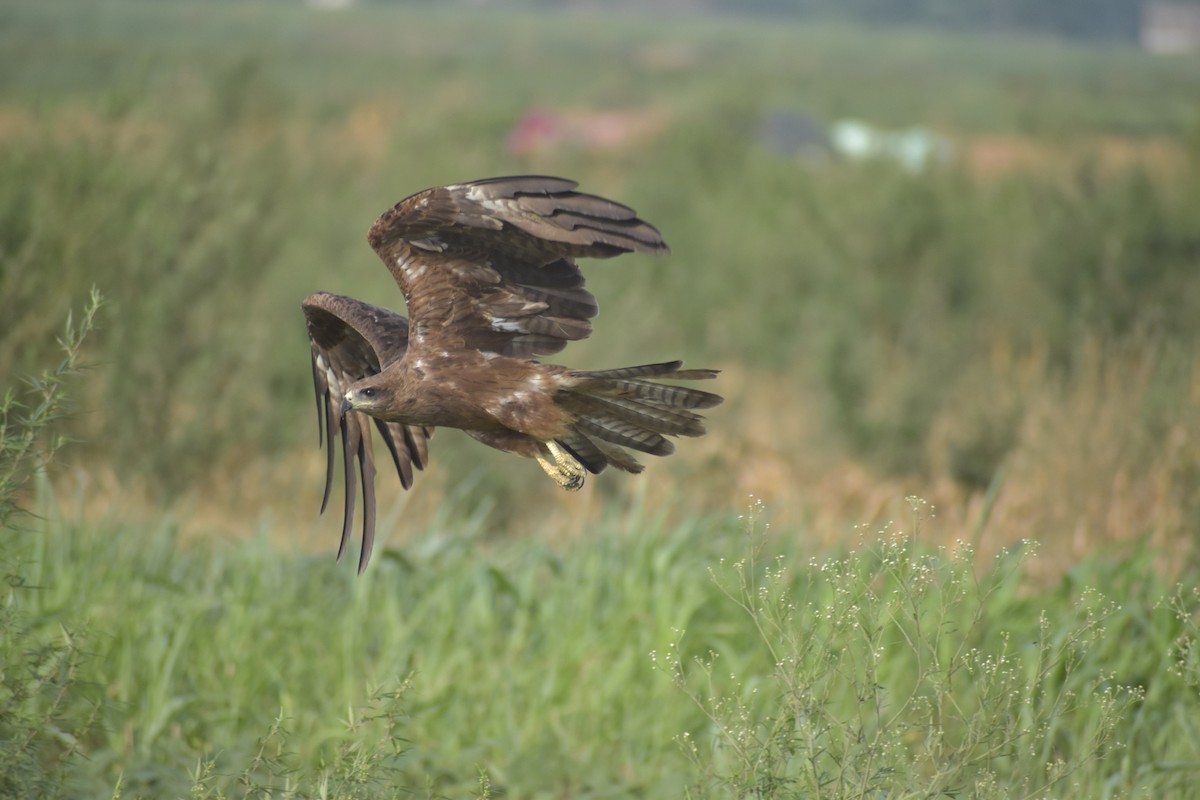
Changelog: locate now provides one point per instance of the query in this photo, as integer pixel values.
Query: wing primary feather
(403, 464)
(418, 444)
(329, 449)
(351, 340)
(533, 184)
(579, 204)
(320, 396)
(350, 437)
(366, 462)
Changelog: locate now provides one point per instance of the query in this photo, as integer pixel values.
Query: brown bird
(488, 272)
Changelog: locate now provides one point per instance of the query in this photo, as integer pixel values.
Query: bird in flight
(488, 272)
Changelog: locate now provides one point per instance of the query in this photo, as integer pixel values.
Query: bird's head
(368, 396)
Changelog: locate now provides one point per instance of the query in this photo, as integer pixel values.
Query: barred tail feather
(618, 456)
(620, 408)
(676, 422)
(643, 371)
(630, 383)
(626, 435)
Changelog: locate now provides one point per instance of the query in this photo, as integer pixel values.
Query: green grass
(655, 657)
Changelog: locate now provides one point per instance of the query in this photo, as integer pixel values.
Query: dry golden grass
(990, 156)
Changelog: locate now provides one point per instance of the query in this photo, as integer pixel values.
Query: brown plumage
(489, 276)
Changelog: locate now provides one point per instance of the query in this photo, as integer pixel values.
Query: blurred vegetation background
(937, 260)
(1022, 307)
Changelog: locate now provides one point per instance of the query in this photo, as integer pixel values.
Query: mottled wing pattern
(350, 340)
(490, 265)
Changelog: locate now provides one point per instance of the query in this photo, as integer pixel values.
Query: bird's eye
(369, 391)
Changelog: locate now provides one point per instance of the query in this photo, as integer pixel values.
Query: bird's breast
(472, 392)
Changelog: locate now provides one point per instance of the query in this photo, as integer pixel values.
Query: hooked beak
(346, 404)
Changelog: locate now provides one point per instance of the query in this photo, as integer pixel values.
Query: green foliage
(1187, 647)
(45, 710)
(364, 765)
(31, 420)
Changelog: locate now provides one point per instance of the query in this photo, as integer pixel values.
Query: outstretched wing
(490, 265)
(350, 340)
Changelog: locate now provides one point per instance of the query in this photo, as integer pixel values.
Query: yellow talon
(566, 471)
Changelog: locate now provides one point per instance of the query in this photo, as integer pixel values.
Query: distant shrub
(45, 712)
(933, 293)
(178, 228)
(31, 420)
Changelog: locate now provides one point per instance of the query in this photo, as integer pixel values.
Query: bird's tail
(616, 409)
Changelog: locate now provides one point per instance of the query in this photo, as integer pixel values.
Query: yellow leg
(564, 469)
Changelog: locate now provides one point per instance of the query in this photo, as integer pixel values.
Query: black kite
(489, 276)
